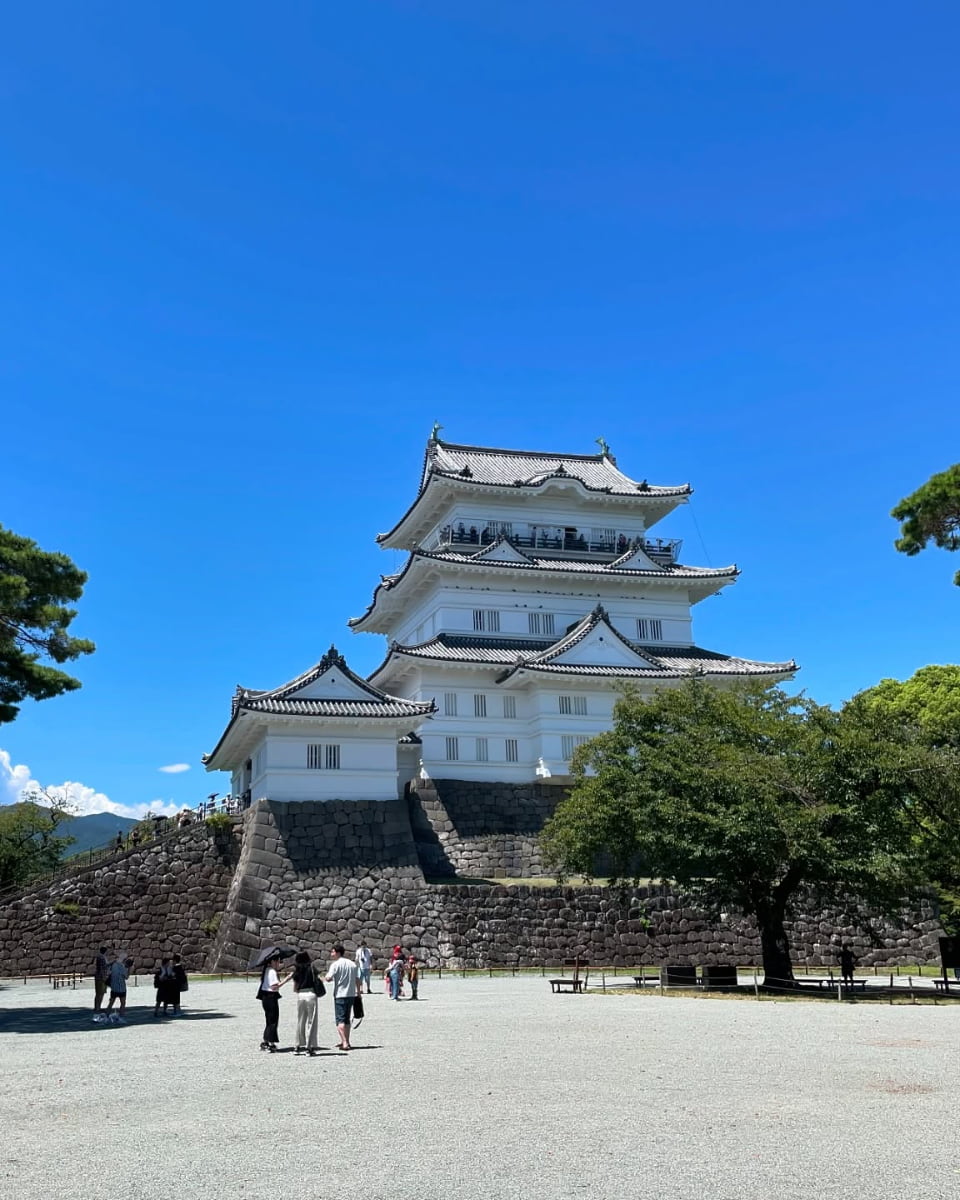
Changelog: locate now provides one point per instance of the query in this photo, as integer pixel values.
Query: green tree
(745, 798)
(929, 702)
(36, 588)
(927, 707)
(931, 514)
(30, 839)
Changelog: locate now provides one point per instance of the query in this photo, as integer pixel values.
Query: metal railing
(661, 550)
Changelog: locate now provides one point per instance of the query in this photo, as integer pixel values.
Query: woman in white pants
(307, 986)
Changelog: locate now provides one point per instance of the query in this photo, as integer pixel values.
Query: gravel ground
(484, 1088)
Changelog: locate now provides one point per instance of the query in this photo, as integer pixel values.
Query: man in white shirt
(364, 965)
(344, 976)
(118, 989)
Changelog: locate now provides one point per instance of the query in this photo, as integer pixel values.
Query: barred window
(649, 629)
(569, 742)
(323, 756)
(450, 704)
(479, 705)
(510, 744)
(540, 623)
(486, 620)
(483, 750)
(575, 705)
(510, 706)
(453, 749)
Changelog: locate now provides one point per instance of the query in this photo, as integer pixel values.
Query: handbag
(358, 1008)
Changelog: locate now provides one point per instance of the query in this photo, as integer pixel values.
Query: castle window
(453, 749)
(573, 705)
(540, 623)
(323, 756)
(649, 629)
(510, 745)
(483, 750)
(510, 706)
(258, 762)
(480, 706)
(569, 742)
(450, 704)
(486, 620)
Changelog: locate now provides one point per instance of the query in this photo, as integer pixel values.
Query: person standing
(395, 974)
(413, 976)
(119, 971)
(181, 983)
(101, 976)
(165, 981)
(847, 963)
(364, 965)
(308, 988)
(344, 976)
(269, 996)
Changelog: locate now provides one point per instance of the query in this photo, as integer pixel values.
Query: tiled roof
(393, 707)
(668, 662)
(674, 570)
(554, 565)
(531, 468)
(283, 701)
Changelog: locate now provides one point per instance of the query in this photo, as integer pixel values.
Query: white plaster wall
(449, 609)
(368, 766)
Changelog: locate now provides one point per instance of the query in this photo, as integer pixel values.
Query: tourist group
(111, 972)
(347, 977)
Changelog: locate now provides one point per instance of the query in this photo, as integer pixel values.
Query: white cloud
(175, 768)
(16, 778)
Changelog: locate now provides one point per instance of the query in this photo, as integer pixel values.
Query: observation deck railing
(663, 551)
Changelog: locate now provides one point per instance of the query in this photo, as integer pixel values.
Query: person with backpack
(308, 987)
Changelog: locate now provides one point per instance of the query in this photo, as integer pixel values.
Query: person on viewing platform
(118, 844)
(101, 976)
(344, 976)
(364, 959)
(269, 997)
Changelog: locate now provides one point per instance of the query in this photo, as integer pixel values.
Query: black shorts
(343, 1009)
(117, 995)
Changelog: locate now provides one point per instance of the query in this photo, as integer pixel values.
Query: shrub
(66, 908)
(211, 925)
(219, 822)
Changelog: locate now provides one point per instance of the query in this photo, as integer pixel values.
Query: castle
(532, 587)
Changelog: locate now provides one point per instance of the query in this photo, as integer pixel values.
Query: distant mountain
(94, 830)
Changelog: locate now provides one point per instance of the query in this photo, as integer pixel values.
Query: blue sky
(249, 258)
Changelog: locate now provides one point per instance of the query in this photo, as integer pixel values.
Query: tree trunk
(777, 967)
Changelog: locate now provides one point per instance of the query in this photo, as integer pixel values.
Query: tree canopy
(931, 514)
(746, 797)
(929, 702)
(36, 589)
(30, 841)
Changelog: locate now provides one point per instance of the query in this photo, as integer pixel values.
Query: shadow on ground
(59, 1019)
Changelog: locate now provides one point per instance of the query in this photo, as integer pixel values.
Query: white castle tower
(532, 588)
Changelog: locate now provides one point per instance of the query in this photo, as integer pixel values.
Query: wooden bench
(944, 985)
(69, 979)
(832, 981)
(571, 983)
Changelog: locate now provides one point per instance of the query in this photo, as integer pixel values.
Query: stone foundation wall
(308, 875)
(479, 829)
(161, 899)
